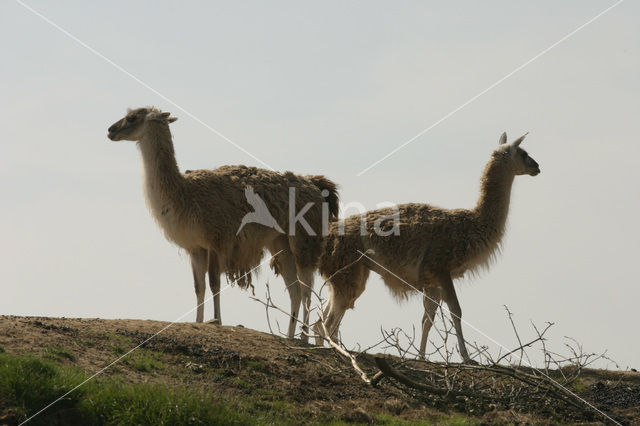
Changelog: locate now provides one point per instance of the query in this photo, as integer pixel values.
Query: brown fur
(217, 203)
(434, 246)
(203, 209)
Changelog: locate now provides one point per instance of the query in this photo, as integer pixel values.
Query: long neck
(162, 176)
(495, 195)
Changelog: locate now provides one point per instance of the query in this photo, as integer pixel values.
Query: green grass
(458, 420)
(257, 366)
(579, 385)
(453, 420)
(124, 340)
(117, 403)
(239, 382)
(144, 361)
(59, 353)
(28, 384)
(118, 350)
(121, 344)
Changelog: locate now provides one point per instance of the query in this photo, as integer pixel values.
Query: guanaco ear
(167, 116)
(503, 139)
(518, 141)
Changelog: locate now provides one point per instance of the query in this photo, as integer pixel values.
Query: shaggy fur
(434, 246)
(202, 210)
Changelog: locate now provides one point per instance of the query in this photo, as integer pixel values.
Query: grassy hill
(208, 374)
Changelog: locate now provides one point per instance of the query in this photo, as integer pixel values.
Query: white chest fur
(175, 224)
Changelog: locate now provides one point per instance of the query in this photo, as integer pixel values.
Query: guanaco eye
(131, 118)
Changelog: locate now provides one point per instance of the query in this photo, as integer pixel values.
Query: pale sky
(327, 88)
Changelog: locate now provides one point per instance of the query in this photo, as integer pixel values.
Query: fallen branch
(389, 371)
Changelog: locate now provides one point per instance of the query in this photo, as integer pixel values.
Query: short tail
(275, 266)
(331, 191)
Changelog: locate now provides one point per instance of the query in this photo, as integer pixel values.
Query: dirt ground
(239, 362)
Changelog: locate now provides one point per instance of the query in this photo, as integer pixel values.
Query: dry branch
(389, 371)
(268, 304)
(509, 386)
(490, 379)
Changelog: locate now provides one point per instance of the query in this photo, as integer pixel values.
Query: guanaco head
(521, 162)
(131, 126)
